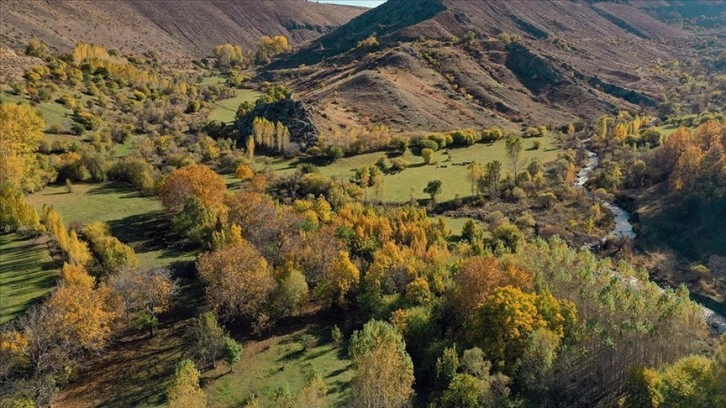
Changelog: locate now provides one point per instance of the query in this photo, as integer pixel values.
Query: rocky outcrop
(291, 113)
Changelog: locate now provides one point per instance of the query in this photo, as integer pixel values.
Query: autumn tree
(80, 315)
(184, 391)
(15, 212)
(21, 130)
(383, 374)
(238, 279)
(192, 181)
(342, 277)
(113, 254)
(268, 47)
(143, 294)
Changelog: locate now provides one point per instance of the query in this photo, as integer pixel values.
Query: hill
(168, 28)
(442, 64)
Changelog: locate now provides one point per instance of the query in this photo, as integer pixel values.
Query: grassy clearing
(134, 219)
(281, 361)
(213, 80)
(401, 187)
(27, 274)
(225, 110)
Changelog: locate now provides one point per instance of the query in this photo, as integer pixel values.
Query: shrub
(441, 139)
(491, 135)
(547, 199)
(399, 145)
(369, 42)
(398, 164)
(536, 145)
(428, 144)
(465, 137)
(427, 154)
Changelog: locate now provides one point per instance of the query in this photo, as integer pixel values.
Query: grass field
(400, 187)
(225, 110)
(281, 362)
(134, 219)
(27, 274)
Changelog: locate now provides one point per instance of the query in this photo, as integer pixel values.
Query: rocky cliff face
(291, 113)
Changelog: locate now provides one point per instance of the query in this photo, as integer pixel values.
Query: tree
(143, 294)
(184, 391)
(80, 315)
(342, 276)
(207, 339)
(475, 173)
(192, 181)
(433, 188)
(239, 281)
(195, 221)
(514, 146)
(113, 254)
(383, 370)
(15, 212)
(491, 179)
(231, 351)
(21, 130)
(427, 154)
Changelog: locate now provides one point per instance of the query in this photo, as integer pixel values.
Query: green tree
(383, 370)
(231, 351)
(433, 188)
(515, 147)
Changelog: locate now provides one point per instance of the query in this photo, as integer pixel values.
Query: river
(624, 229)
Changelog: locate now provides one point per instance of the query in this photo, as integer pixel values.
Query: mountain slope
(168, 28)
(570, 60)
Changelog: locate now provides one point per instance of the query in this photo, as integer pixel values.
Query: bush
(491, 135)
(369, 42)
(536, 145)
(547, 199)
(399, 145)
(465, 137)
(441, 139)
(428, 144)
(398, 164)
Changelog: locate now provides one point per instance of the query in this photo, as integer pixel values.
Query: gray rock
(291, 113)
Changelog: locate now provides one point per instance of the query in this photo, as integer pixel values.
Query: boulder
(291, 113)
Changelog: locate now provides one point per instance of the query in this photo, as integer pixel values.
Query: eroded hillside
(438, 64)
(168, 28)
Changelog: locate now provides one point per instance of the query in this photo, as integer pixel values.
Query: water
(624, 229)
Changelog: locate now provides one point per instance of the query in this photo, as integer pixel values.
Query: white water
(624, 229)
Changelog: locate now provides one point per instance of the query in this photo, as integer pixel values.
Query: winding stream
(624, 229)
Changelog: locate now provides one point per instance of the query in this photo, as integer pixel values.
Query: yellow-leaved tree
(21, 130)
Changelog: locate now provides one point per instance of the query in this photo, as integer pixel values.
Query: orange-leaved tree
(192, 181)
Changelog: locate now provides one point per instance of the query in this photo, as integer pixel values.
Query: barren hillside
(168, 28)
(451, 63)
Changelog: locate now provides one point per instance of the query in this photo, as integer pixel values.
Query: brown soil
(574, 60)
(168, 28)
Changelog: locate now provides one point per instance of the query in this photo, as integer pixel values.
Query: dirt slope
(572, 59)
(169, 28)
